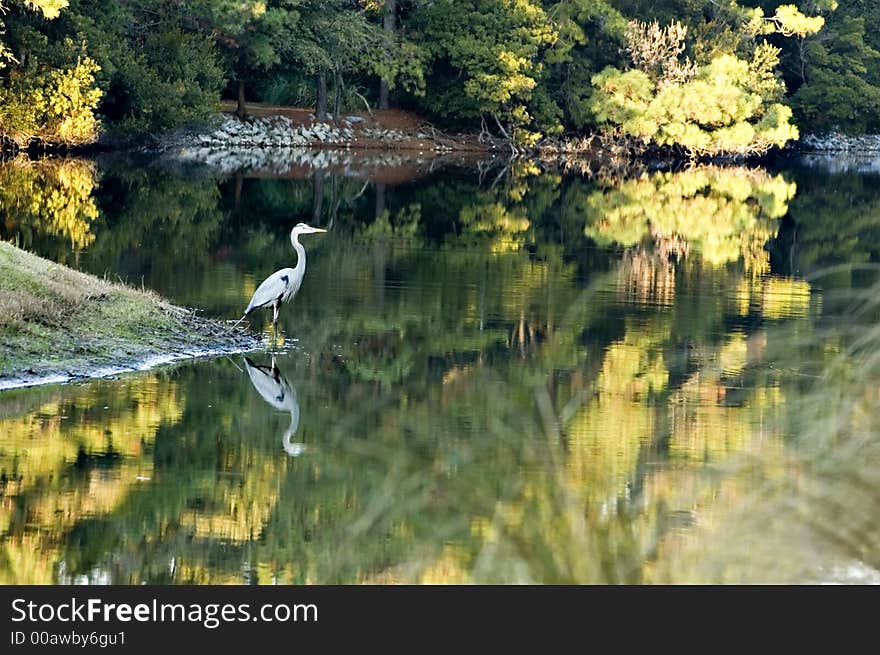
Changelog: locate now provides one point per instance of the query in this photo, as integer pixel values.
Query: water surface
(498, 373)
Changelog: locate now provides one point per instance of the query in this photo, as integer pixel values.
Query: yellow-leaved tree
(39, 102)
(728, 105)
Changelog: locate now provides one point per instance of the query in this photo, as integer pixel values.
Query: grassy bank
(58, 324)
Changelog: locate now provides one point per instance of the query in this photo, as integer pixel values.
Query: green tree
(396, 58)
(485, 58)
(334, 38)
(158, 70)
(591, 34)
(251, 35)
(837, 73)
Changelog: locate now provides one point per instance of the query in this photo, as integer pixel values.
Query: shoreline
(279, 131)
(60, 325)
(270, 128)
(267, 131)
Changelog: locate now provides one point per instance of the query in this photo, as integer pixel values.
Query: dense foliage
(704, 76)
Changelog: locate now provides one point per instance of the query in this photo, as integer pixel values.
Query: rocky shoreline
(277, 143)
(283, 132)
(230, 132)
(232, 143)
(838, 153)
(836, 142)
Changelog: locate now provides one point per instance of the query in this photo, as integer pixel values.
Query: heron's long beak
(318, 229)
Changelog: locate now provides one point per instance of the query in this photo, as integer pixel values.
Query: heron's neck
(300, 253)
(290, 447)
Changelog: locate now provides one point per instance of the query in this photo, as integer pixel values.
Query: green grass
(55, 320)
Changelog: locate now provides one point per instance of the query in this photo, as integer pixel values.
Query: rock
(836, 142)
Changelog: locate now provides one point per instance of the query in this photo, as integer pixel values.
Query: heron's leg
(275, 308)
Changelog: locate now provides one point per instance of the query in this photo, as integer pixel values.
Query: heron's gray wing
(274, 389)
(271, 289)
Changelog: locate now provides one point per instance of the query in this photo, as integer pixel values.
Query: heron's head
(302, 228)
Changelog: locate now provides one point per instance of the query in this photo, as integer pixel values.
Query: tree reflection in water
(540, 378)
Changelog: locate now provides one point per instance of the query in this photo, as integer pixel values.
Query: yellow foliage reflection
(495, 223)
(50, 197)
(606, 435)
(646, 278)
(239, 505)
(776, 298)
(50, 438)
(723, 214)
(41, 452)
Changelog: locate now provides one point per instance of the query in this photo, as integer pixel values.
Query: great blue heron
(282, 285)
(274, 388)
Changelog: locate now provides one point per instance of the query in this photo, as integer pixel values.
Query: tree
(251, 35)
(332, 40)
(54, 104)
(591, 35)
(727, 105)
(389, 20)
(836, 75)
(157, 70)
(399, 58)
(486, 60)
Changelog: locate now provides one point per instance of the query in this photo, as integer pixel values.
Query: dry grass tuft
(34, 290)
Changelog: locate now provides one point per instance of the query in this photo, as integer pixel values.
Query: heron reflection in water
(274, 388)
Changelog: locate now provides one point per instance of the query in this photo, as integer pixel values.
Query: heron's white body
(277, 288)
(282, 285)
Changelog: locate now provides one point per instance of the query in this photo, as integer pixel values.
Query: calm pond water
(490, 374)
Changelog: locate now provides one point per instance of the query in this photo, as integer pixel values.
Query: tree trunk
(236, 194)
(383, 94)
(240, 111)
(317, 197)
(380, 250)
(321, 105)
(389, 24)
(379, 209)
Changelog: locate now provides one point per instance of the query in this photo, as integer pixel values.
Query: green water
(489, 375)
